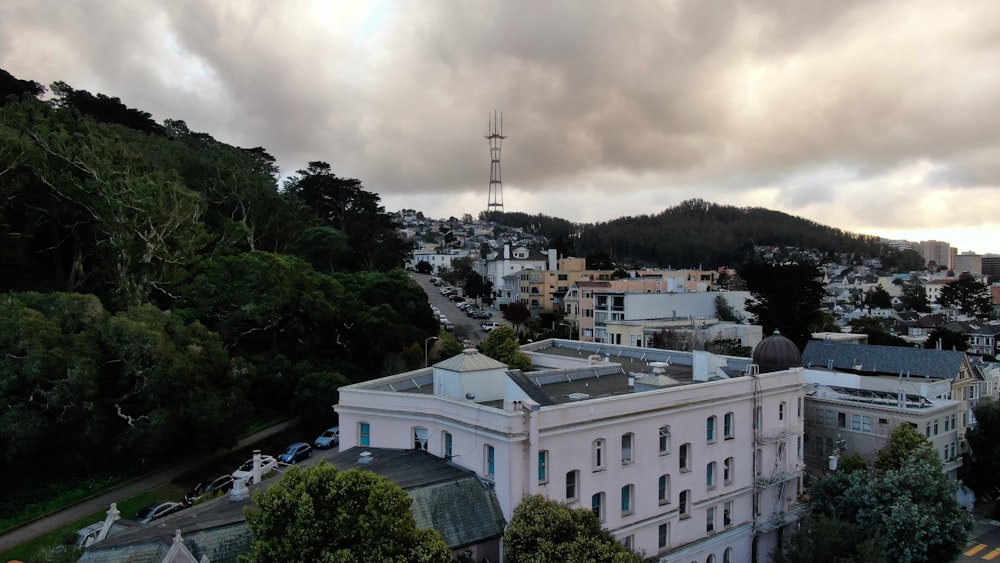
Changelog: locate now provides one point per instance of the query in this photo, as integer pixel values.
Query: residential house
(848, 413)
(913, 363)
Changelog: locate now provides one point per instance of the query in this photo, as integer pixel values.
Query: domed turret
(776, 353)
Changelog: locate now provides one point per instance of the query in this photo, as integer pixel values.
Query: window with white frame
(728, 470)
(685, 457)
(489, 461)
(629, 542)
(364, 434)
(598, 454)
(627, 441)
(447, 445)
(663, 489)
(572, 482)
(710, 429)
(727, 555)
(727, 514)
(684, 503)
(663, 536)
(664, 440)
(781, 410)
(628, 498)
(597, 505)
(543, 466)
(727, 426)
(420, 435)
(710, 475)
(855, 422)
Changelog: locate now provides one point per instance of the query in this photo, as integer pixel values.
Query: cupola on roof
(776, 353)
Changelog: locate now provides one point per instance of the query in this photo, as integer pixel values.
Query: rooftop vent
(578, 396)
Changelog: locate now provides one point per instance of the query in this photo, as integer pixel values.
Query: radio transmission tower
(495, 137)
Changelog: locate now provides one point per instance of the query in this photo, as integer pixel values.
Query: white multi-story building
(682, 456)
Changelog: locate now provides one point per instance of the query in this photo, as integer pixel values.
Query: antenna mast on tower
(495, 137)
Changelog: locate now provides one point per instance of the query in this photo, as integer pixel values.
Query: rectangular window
(597, 505)
(710, 475)
(627, 448)
(683, 501)
(935, 427)
(598, 456)
(420, 435)
(727, 426)
(571, 480)
(727, 514)
(685, 456)
(727, 470)
(781, 410)
(447, 446)
(664, 440)
(543, 466)
(490, 461)
(866, 423)
(365, 434)
(627, 494)
(663, 535)
(800, 407)
(855, 422)
(710, 519)
(841, 420)
(663, 489)
(710, 429)
(927, 429)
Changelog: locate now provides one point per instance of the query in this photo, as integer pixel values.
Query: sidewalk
(102, 501)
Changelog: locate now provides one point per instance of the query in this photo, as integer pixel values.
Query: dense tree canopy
(546, 531)
(784, 297)
(326, 515)
(211, 296)
(907, 498)
(968, 294)
(502, 345)
(981, 466)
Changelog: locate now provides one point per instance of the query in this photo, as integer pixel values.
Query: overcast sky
(879, 116)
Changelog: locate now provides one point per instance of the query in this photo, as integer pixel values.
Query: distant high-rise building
(969, 262)
(941, 253)
(991, 265)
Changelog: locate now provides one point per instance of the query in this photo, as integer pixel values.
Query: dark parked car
(296, 453)
(158, 510)
(482, 315)
(208, 487)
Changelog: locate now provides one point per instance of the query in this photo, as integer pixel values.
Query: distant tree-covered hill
(693, 233)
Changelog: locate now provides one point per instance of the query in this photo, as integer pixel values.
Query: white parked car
(490, 325)
(245, 471)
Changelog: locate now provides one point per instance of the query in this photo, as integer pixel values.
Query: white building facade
(681, 456)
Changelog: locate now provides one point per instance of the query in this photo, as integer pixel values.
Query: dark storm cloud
(834, 110)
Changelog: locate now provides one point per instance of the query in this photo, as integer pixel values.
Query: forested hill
(160, 292)
(693, 233)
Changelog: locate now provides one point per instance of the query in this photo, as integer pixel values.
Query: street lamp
(569, 330)
(426, 342)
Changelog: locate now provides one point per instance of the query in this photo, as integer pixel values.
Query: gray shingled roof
(446, 497)
(470, 360)
(939, 364)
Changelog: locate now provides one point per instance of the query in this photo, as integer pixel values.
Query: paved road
(985, 542)
(59, 519)
(465, 327)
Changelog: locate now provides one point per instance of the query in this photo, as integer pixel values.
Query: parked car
(220, 484)
(482, 315)
(329, 438)
(296, 453)
(158, 510)
(454, 297)
(443, 319)
(245, 471)
(490, 325)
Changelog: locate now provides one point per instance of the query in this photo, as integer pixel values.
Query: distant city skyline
(873, 117)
